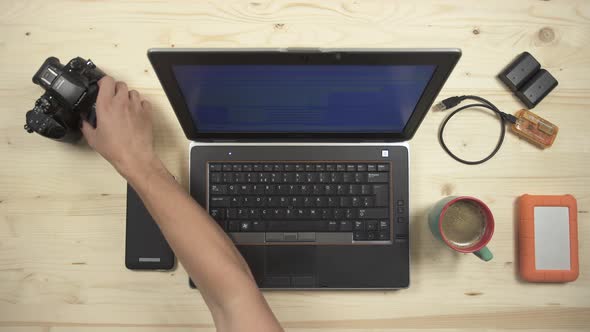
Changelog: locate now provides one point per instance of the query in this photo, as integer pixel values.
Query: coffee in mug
(463, 223)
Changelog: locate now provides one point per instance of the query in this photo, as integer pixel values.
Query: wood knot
(116, 45)
(279, 26)
(145, 70)
(27, 33)
(546, 35)
(172, 45)
(72, 299)
(447, 189)
(475, 31)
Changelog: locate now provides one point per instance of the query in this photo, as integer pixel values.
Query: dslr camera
(70, 93)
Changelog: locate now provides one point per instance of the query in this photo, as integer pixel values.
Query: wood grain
(62, 208)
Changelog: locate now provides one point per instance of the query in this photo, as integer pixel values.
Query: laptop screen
(302, 98)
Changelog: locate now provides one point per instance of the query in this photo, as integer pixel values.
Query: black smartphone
(145, 246)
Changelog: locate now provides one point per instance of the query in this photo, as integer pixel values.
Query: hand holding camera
(74, 94)
(123, 135)
(70, 91)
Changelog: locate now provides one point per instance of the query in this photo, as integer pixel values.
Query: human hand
(123, 134)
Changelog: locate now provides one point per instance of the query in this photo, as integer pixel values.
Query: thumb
(89, 132)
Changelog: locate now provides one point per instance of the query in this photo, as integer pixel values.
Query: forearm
(123, 136)
(205, 251)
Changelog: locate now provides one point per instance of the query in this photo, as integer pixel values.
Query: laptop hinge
(278, 141)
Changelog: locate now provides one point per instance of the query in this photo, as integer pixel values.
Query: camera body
(70, 92)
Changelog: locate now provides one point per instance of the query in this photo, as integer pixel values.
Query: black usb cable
(454, 101)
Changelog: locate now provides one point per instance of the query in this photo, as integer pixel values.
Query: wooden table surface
(62, 208)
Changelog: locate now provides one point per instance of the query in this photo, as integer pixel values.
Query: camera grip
(91, 116)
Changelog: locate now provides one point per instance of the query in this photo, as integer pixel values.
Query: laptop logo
(384, 153)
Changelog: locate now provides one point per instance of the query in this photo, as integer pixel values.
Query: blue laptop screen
(302, 98)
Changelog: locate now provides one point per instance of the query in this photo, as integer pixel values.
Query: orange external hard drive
(548, 238)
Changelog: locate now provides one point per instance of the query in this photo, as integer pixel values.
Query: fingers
(146, 106)
(134, 95)
(121, 91)
(135, 99)
(89, 132)
(106, 90)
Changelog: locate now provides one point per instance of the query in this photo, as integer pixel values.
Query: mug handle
(484, 254)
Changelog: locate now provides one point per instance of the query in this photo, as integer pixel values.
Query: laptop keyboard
(292, 201)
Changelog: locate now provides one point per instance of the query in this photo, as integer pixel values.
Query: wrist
(140, 169)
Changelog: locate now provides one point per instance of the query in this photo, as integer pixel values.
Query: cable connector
(447, 103)
(509, 117)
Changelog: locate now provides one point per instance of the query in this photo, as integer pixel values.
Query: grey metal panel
(388, 266)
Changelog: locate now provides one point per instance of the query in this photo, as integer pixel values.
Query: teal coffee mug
(463, 223)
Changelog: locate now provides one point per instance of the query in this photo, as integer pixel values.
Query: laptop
(301, 155)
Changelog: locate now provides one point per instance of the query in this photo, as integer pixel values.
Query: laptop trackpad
(293, 263)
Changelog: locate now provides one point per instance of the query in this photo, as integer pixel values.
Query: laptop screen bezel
(163, 61)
